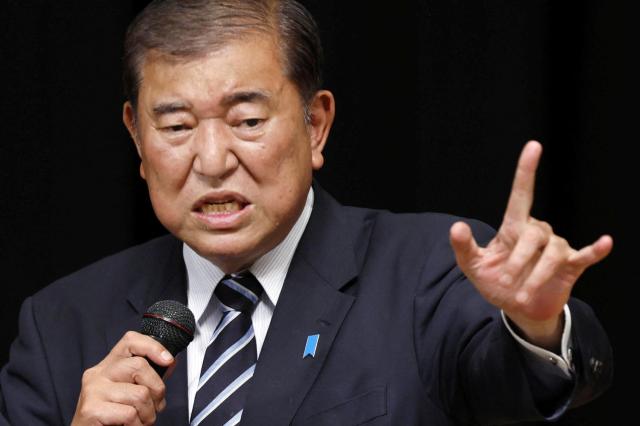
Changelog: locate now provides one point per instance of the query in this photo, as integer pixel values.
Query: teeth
(230, 206)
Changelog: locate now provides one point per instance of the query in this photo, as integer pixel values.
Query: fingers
(464, 245)
(543, 268)
(120, 403)
(114, 414)
(594, 253)
(133, 343)
(123, 388)
(553, 258)
(531, 241)
(526, 270)
(521, 197)
(138, 397)
(133, 352)
(137, 370)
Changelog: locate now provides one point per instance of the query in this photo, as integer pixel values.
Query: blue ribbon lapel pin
(311, 346)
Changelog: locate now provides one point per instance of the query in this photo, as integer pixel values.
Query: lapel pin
(310, 347)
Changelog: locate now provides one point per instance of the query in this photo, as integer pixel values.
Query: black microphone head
(170, 323)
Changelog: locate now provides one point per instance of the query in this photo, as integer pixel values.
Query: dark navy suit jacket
(405, 339)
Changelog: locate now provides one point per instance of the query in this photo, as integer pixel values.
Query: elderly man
(355, 315)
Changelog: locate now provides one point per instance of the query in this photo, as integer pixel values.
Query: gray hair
(190, 29)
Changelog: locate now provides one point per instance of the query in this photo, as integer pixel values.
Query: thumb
(464, 245)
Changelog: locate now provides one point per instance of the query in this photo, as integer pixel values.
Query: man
(365, 316)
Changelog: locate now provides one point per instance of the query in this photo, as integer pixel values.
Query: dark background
(435, 100)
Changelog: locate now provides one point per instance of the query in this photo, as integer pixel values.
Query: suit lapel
(310, 303)
(164, 279)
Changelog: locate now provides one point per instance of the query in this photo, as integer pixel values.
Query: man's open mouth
(221, 207)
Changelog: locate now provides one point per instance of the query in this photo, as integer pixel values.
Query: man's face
(225, 150)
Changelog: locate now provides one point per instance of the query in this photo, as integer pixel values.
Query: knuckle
(85, 412)
(138, 363)
(87, 375)
(158, 391)
(551, 252)
(541, 228)
(558, 249)
(546, 227)
(129, 336)
(542, 233)
(129, 414)
(562, 242)
(521, 301)
(152, 419)
(142, 394)
(516, 262)
(533, 233)
(162, 405)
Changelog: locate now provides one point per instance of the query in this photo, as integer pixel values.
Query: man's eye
(176, 128)
(252, 122)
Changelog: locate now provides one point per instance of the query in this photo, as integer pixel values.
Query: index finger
(521, 198)
(137, 344)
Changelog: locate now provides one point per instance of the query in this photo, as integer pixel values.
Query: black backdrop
(435, 99)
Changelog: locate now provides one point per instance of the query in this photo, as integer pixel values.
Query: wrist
(546, 334)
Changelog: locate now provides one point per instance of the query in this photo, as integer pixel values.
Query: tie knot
(239, 291)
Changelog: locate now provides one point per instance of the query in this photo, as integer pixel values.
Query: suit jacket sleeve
(27, 395)
(480, 373)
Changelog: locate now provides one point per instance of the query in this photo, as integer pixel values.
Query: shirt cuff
(563, 361)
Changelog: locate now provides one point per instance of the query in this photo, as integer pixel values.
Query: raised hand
(526, 270)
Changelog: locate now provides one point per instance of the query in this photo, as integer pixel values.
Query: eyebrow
(227, 101)
(170, 108)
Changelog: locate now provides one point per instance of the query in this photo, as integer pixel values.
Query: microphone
(172, 324)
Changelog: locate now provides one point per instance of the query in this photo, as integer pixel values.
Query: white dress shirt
(202, 278)
(271, 270)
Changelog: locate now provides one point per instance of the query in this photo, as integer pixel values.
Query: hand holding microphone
(126, 386)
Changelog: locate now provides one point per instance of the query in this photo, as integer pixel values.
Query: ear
(129, 119)
(322, 111)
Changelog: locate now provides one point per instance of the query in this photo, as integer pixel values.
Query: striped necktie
(230, 358)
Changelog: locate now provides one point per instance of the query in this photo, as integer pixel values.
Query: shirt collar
(270, 269)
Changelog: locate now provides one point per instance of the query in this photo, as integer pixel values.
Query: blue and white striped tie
(231, 357)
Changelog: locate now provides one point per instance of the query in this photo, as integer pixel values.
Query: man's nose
(214, 156)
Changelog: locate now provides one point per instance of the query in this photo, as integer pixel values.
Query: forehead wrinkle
(216, 95)
(246, 96)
